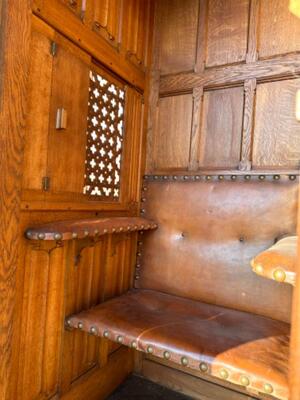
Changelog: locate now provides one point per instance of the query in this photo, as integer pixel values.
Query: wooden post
(14, 57)
(295, 331)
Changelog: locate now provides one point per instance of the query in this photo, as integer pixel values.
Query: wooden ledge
(279, 261)
(81, 228)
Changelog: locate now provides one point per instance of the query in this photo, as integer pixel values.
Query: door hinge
(46, 183)
(53, 49)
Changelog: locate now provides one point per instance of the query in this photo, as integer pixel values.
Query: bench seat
(245, 349)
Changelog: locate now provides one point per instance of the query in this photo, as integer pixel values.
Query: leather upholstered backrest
(209, 232)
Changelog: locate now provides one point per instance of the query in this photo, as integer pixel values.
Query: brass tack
(259, 269)
(142, 227)
(121, 229)
(86, 233)
(113, 230)
(137, 277)
(143, 211)
(247, 177)
(150, 349)
(120, 339)
(197, 177)
(221, 177)
(184, 361)
(106, 334)
(138, 265)
(233, 177)
(276, 177)
(245, 381)
(143, 199)
(93, 330)
(292, 177)
(224, 373)
(105, 230)
(134, 344)
(175, 178)
(185, 177)
(279, 275)
(140, 243)
(268, 388)
(261, 177)
(69, 322)
(29, 235)
(128, 227)
(74, 235)
(146, 176)
(41, 236)
(139, 254)
(167, 355)
(203, 367)
(155, 177)
(208, 177)
(165, 177)
(80, 325)
(57, 236)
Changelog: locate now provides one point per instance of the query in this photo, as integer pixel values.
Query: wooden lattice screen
(105, 134)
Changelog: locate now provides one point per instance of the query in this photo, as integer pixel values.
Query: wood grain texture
(279, 29)
(15, 34)
(221, 128)
(172, 138)
(178, 23)
(249, 88)
(252, 54)
(285, 66)
(276, 132)
(227, 29)
(196, 128)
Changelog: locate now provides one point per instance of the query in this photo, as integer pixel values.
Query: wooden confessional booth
(150, 155)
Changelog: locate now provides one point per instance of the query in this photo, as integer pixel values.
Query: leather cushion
(243, 344)
(209, 232)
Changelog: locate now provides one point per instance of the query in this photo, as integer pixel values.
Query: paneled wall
(225, 77)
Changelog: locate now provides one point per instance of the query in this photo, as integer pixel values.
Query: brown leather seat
(245, 349)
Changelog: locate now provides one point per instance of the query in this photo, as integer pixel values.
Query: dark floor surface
(136, 388)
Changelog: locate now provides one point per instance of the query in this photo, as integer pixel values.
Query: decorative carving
(105, 134)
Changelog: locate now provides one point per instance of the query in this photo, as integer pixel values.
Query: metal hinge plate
(46, 183)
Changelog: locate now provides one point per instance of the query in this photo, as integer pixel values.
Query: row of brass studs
(59, 236)
(203, 366)
(261, 177)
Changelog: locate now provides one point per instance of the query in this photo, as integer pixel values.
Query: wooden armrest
(279, 261)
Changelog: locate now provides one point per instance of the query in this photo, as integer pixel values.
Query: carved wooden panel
(76, 6)
(171, 141)
(221, 128)
(177, 24)
(66, 148)
(106, 19)
(227, 29)
(277, 132)
(279, 29)
(135, 32)
(38, 95)
(105, 135)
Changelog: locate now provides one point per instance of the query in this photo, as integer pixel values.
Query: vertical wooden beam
(201, 36)
(14, 59)
(295, 331)
(252, 53)
(249, 104)
(196, 128)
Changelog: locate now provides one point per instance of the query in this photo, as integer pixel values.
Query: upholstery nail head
(292, 177)
(86, 233)
(41, 236)
(279, 275)
(57, 236)
(245, 381)
(224, 373)
(208, 177)
(184, 361)
(221, 177)
(203, 367)
(268, 388)
(197, 177)
(93, 330)
(134, 344)
(247, 177)
(120, 339)
(233, 177)
(150, 349)
(29, 235)
(80, 325)
(69, 323)
(74, 235)
(261, 177)
(105, 230)
(96, 231)
(167, 355)
(175, 178)
(185, 177)
(165, 177)
(106, 334)
(276, 177)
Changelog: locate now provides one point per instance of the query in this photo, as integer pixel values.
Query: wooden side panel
(220, 138)
(67, 147)
(42, 321)
(279, 29)
(177, 24)
(171, 141)
(37, 127)
(227, 30)
(75, 6)
(277, 132)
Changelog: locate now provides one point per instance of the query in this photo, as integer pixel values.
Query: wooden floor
(137, 388)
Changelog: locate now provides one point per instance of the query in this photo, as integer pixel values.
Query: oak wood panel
(227, 30)
(171, 141)
(178, 22)
(39, 92)
(284, 66)
(220, 137)
(279, 29)
(67, 147)
(76, 6)
(276, 132)
(14, 61)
